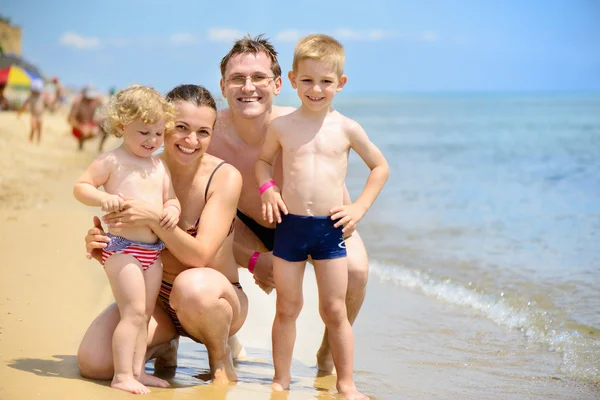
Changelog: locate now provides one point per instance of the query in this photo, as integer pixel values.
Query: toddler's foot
(129, 384)
(151, 380)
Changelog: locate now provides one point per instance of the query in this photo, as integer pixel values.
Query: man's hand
(95, 241)
(263, 272)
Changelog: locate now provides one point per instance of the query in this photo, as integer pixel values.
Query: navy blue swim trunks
(298, 236)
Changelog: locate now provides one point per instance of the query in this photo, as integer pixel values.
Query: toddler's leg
(288, 283)
(128, 286)
(332, 281)
(152, 278)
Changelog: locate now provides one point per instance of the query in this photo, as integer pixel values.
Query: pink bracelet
(268, 184)
(253, 261)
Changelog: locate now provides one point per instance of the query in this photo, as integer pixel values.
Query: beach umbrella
(19, 77)
(8, 60)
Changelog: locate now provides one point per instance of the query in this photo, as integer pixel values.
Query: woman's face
(193, 130)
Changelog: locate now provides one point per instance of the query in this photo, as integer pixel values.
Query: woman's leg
(288, 278)
(208, 308)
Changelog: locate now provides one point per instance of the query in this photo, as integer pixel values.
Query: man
(238, 136)
(81, 116)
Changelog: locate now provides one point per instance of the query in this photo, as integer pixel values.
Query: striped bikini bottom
(145, 253)
(164, 296)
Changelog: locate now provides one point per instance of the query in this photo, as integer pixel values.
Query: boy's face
(143, 139)
(316, 82)
(253, 97)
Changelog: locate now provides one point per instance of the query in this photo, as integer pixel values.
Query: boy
(131, 260)
(35, 105)
(315, 141)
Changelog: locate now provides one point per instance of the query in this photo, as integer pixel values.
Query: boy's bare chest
(324, 142)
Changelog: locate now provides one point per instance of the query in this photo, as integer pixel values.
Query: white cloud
(183, 38)
(77, 41)
(429, 36)
(224, 34)
(288, 35)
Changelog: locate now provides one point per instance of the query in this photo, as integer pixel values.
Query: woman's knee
(201, 291)
(94, 364)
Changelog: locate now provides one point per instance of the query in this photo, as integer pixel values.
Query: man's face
(247, 99)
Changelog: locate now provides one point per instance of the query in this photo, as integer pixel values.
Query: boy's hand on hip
(348, 216)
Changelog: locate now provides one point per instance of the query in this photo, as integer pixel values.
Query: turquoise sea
(484, 248)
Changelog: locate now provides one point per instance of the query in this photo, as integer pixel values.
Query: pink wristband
(268, 184)
(253, 261)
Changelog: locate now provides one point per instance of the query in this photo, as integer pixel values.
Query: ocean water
(492, 207)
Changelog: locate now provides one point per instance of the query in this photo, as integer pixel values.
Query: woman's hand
(135, 212)
(95, 241)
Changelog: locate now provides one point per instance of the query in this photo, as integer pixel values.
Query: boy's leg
(39, 130)
(127, 283)
(32, 128)
(332, 282)
(288, 278)
(152, 278)
(358, 275)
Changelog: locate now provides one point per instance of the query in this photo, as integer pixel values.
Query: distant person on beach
(56, 100)
(34, 104)
(141, 116)
(82, 116)
(250, 80)
(200, 295)
(4, 104)
(311, 217)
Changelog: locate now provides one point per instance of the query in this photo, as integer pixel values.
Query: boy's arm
(270, 193)
(374, 159)
(86, 189)
(350, 215)
(268, 153)
(24, 105)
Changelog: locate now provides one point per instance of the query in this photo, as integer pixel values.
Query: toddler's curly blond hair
(135, 102)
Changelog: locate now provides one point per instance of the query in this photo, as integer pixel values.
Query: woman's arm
(215, 221)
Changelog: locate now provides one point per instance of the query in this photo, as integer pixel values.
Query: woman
(200, 295)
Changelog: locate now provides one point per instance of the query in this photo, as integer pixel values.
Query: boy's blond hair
(135, 102)
(322, 48)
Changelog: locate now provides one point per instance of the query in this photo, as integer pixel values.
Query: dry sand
(49, 291)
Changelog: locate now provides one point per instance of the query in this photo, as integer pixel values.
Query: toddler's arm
(272, 203)
(86, 189)
(350, 215)
(171, 206)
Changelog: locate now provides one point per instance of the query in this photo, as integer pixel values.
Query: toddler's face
(143, 139)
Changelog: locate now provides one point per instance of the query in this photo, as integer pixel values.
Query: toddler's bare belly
(141, 234)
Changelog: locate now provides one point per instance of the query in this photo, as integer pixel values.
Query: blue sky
(391, 45)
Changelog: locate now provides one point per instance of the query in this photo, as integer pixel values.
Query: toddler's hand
(348, 216)
(112, 203)
(272, 205)
(169, 217)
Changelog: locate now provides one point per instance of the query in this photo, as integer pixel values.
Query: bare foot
(278, 387)
(325, 362)
(151, 380)
(129, 384)
(350, 393)
(222, 371)
(281, 384)
(237, 348)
